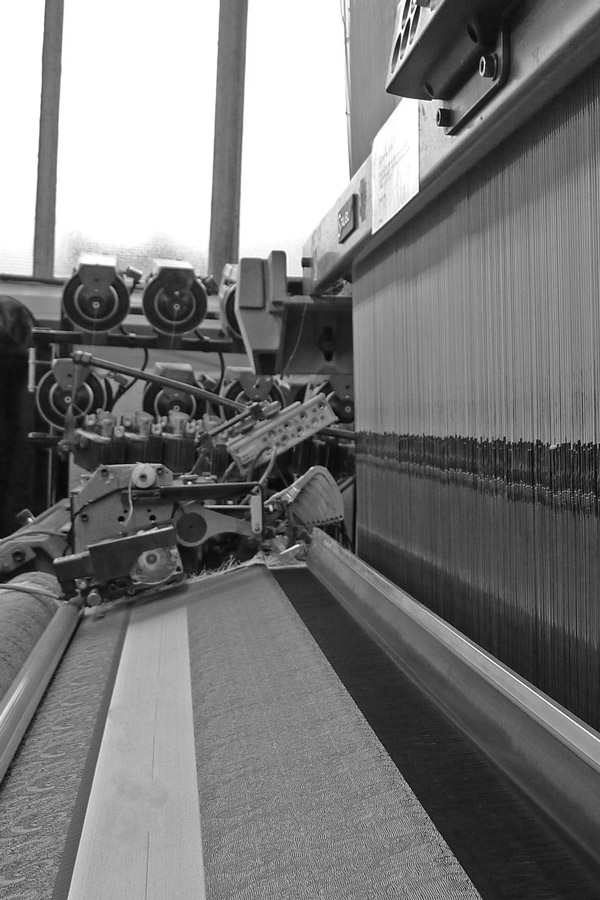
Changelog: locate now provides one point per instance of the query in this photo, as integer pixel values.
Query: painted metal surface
(551, 44)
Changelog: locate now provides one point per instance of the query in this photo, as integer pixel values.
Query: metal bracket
(480, 88)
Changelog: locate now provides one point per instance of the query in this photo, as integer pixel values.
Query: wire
(126, 387)
(300, 330)
(222, 378)
(95, 500)
(130, 501)
(269, 468)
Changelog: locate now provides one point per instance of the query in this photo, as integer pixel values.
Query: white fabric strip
(141, 836)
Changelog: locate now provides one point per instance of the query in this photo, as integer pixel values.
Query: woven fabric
(39, 792)
(23, 618)
(298, 798)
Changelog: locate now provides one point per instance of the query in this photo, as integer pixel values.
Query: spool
(174, 306)
(236, 391)
(159, 402)
(95, 307)
(228, 307)
(53, 401)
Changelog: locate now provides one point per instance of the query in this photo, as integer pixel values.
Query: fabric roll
(27, 604)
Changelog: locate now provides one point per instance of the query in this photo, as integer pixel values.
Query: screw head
(488, 66)
(443, 117)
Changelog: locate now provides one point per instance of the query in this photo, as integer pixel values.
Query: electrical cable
(297, 344)
(129, 501)
(126, 387)
(95, 500)
(222, 378)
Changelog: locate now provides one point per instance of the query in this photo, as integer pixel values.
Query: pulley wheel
(343, 408)
(159, 403)
(235, 391)
(174, 309)
(229, 310)
(154, 566)
(53, 401)
(191, 529)
(94, 309)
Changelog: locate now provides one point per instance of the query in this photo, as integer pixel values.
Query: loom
(233, 695)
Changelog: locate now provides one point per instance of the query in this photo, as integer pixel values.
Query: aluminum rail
(546, 751)
(22, 698)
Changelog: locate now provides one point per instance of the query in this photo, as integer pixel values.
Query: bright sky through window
(136, 128)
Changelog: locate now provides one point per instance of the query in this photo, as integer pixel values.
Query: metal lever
(83, 358)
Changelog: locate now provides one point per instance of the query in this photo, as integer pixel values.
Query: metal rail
(22, 698)
(546, 751)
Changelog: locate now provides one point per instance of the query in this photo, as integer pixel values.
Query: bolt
(488, 66)
(443, 117)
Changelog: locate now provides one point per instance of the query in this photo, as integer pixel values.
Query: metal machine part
(85, 359)
(227, 290)
(160, 401)
(339, 390)
(291, 426)
(125, 501)
(287, 333)
(96, 298)
(117, 566)
(38, 542)
(245, 386)
(174, 301)
(59, 391)
(313, 499)
(451, 51)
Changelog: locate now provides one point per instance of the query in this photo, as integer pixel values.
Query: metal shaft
(82, 358)
(20, 702)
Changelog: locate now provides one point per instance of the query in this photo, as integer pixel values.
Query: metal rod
(229, 121)
(22, 698)
(45, 209)
(82, 358)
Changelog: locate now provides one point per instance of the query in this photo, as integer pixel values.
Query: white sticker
(395, 163)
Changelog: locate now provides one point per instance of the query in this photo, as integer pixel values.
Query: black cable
(95, 500)
(222, 378)
(126, 387)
